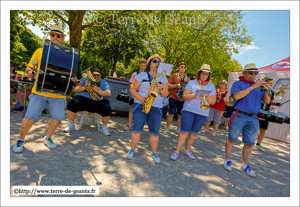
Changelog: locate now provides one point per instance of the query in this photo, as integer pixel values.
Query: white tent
(280, 73)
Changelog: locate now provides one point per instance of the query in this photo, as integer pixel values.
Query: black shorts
(263, 124)
(80, 103)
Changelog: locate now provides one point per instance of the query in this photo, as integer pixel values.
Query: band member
(83, 101)
(194, 117)
(175, 84)
(216, 110)
(139, 89)
(40, 100)
(142, 64)
(245, 116)
(263, 125)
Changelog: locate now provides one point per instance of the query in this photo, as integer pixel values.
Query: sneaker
(44, 111)
(18, 147)
(203, 130)
(189, 154)
(128, 127)
(130, 154)
(166, 131)
(178, 131)
(105, 131)
(71, 127)
(155, 157)
(49, 143)
(248, 171)
(214, 133)
(174, 155)
(21, 108)
(242, 144)
(258, 146)
(227, 165)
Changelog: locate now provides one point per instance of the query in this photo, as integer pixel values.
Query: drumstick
(285, 102)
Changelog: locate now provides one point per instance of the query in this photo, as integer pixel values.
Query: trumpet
(203, 104)
(277, 94)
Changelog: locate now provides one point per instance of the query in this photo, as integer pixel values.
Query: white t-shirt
(145, 85)
(194, 104)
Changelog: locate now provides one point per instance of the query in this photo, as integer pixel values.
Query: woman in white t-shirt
(192, 116)
(139, 89)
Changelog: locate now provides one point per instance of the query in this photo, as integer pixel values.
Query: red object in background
(19, 76)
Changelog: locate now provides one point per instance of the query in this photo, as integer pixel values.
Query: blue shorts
(174, 104)
(38, 103)
(153, 119)
(248, 124)
(191, 122)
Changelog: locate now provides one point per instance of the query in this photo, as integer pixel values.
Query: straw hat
(250, 67)
(155, 56)
(57, 29)
(182, 63)
(206, 68)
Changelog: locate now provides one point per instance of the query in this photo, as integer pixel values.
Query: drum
(124, 97)
(287, 117)
(275, 118)
(58, 69)
(263, 115)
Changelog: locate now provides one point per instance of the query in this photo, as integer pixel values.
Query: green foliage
(23, 42)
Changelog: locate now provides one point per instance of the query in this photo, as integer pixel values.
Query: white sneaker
(174, 155)
(248, 171)
(227, 165)
(69, 128)
(18, 147)
(105, 131)
(49, 143)
(130, 154)
(189, 154)
(166, 131)
(128, 127)
(155, 157)
(203, 130)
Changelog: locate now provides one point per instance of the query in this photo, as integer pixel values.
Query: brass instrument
(92, 93)
(151, 94)
(203, 104)
(277, 94)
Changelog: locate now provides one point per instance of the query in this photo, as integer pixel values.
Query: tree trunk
(75, 26)
(114, 64)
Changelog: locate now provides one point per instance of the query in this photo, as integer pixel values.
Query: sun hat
(206, 68)
(155, 56)
(182, 63)
(57, 29)
(250, 67)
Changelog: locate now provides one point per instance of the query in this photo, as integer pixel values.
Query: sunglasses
(155, 61)
(58, 36)
(182, 66)
(251, 73)
(206, 74)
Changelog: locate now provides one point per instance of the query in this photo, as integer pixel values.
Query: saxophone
(150, 96)
(92, 93)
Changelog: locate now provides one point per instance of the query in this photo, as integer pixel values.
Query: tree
(76, 20)
(116, 42)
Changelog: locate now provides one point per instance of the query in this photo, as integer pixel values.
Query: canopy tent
(280, 73)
